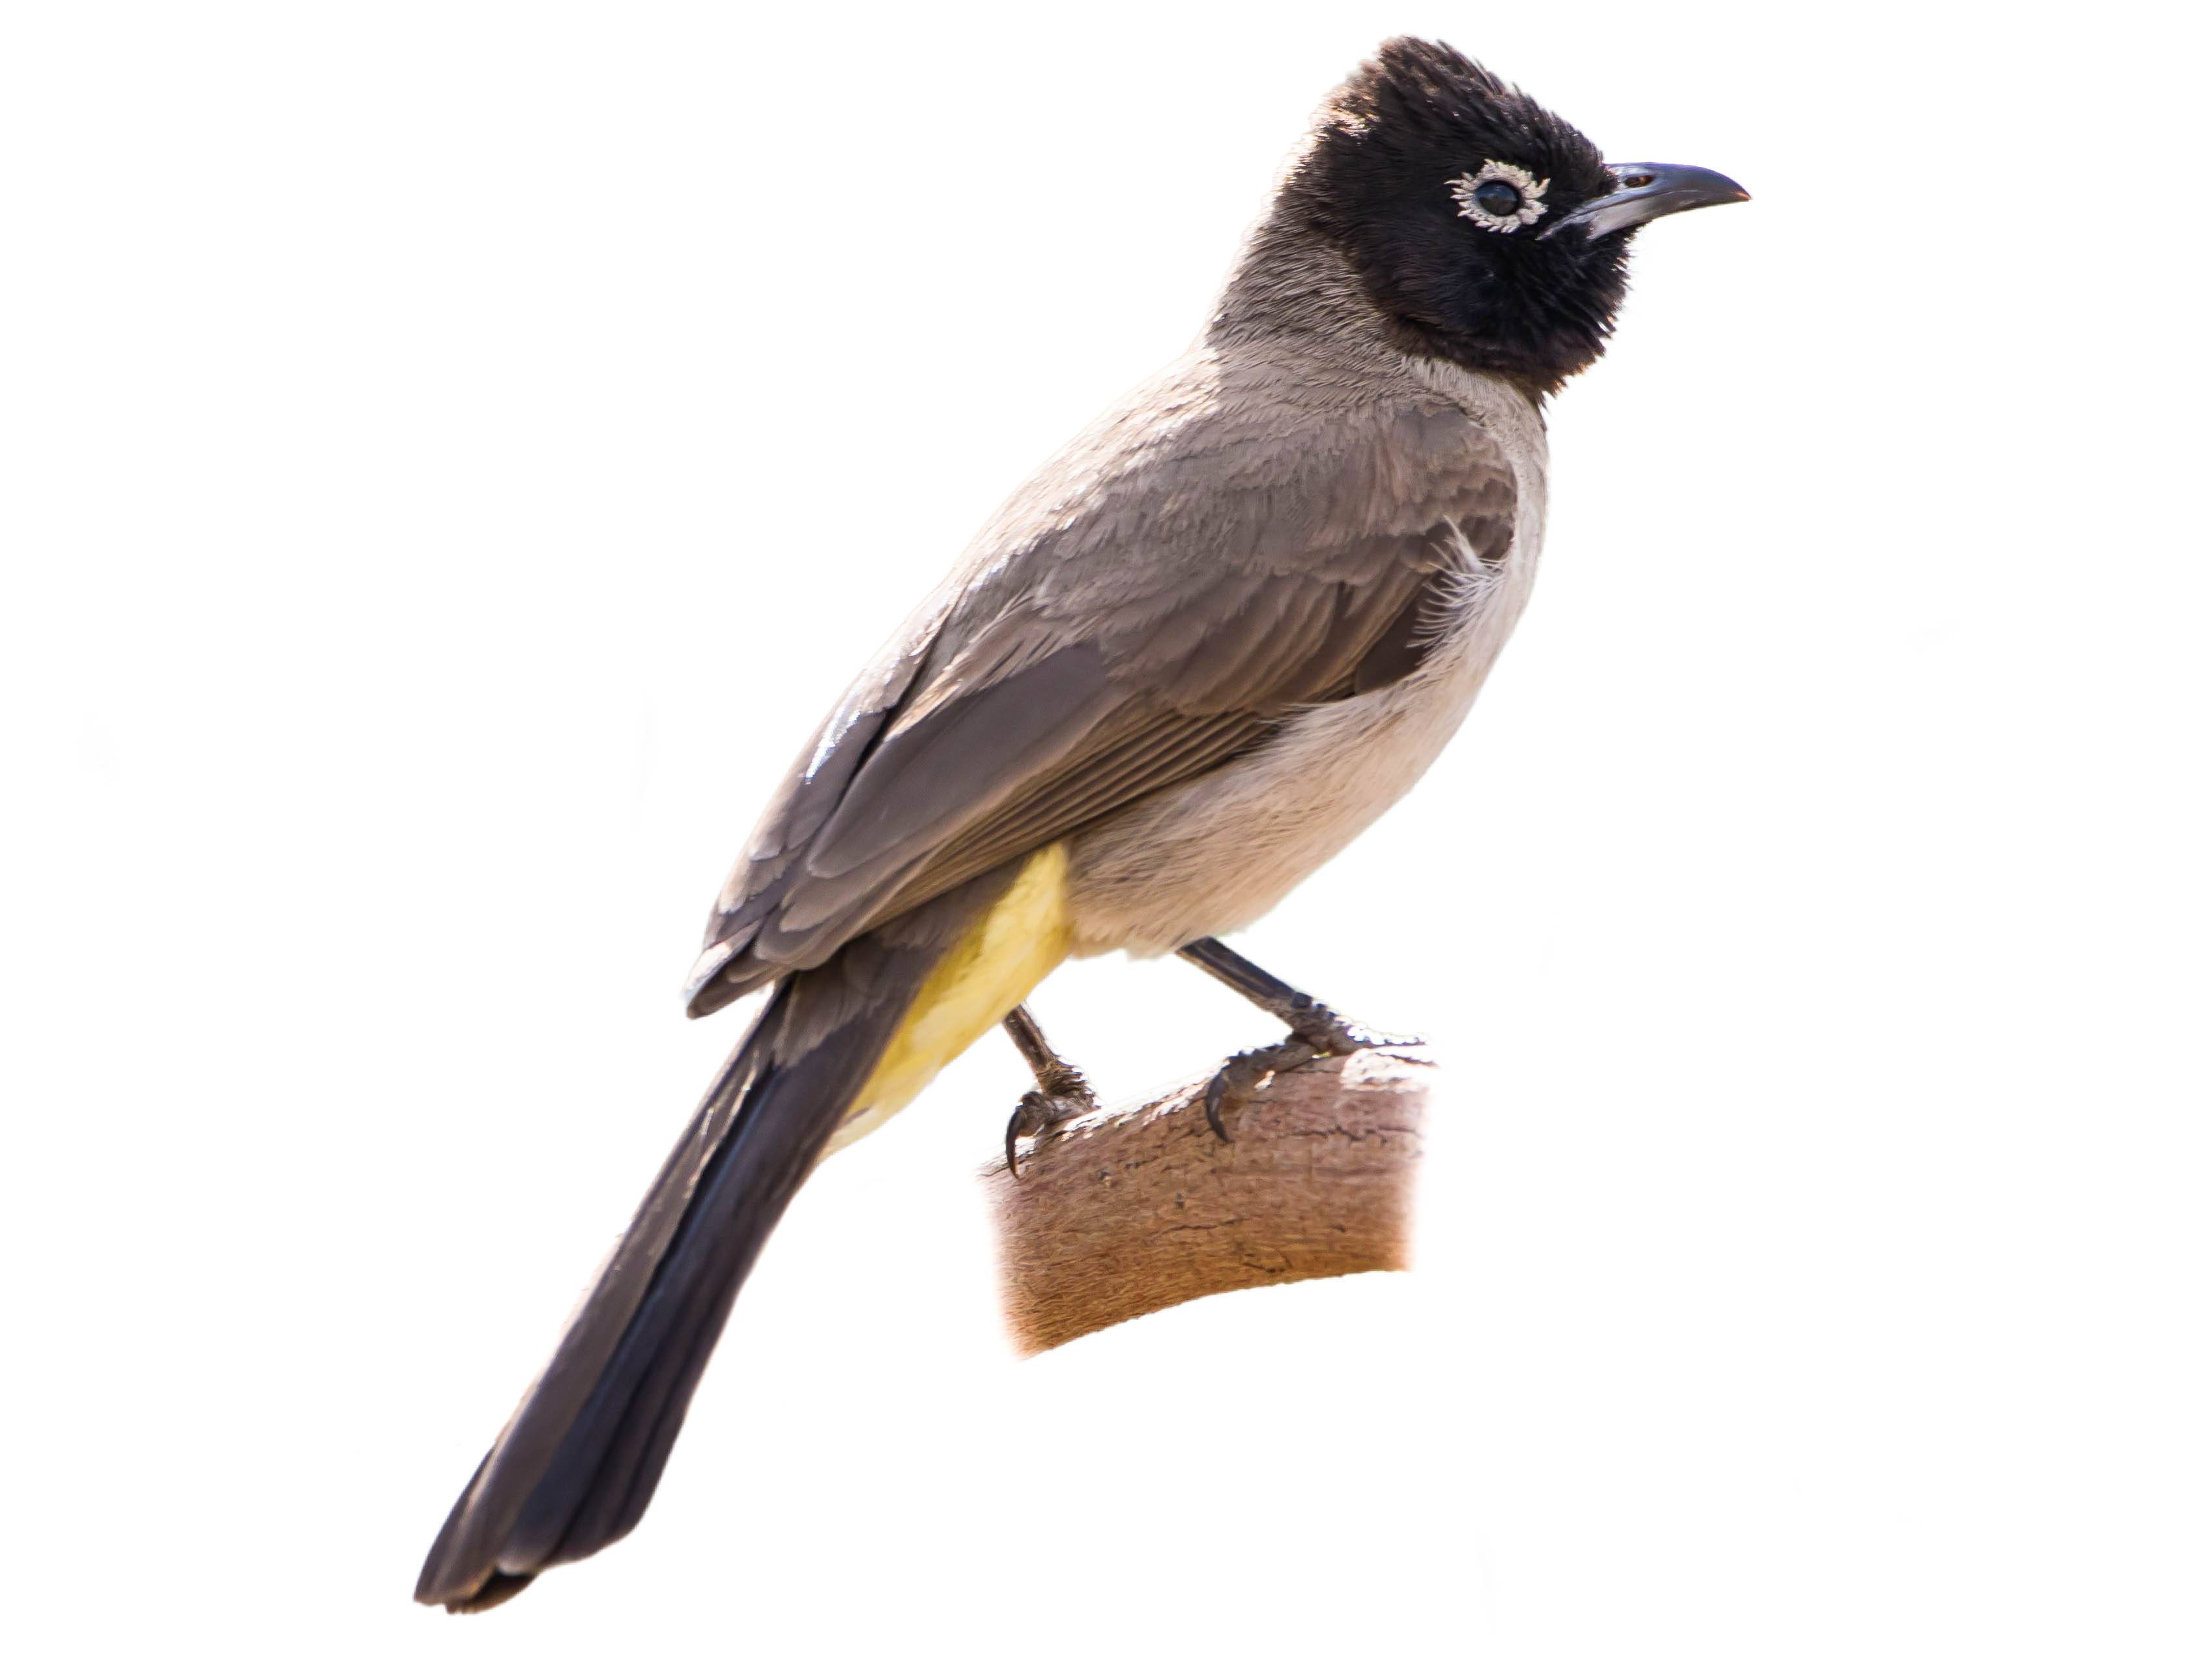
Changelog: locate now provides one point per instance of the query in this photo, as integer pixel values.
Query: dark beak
(1649, 190)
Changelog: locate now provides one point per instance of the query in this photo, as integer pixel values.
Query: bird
(1183, 666)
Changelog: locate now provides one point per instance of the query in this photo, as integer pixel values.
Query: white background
(455, 451)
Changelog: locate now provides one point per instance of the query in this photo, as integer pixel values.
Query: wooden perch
(1128, 1210)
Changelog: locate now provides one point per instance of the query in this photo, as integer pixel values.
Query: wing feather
(1112, 636)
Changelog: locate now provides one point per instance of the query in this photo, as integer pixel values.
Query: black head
(1484, 227)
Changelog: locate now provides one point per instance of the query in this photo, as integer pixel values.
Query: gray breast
(1213, 855)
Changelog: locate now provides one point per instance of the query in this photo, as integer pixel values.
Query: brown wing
(1163, 627)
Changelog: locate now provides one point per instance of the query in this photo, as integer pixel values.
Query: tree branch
(1128, 1210)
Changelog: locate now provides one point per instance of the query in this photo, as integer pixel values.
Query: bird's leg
(1314, 1023)
(1061, 1092)
(1316, 1030)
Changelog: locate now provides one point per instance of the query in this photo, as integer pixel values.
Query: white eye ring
(1531, 188)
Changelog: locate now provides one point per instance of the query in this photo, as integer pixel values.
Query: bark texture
(1131, 1209)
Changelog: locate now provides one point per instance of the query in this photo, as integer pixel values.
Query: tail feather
(576, 1465)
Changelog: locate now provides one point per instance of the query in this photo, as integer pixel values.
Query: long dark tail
(577, 1463)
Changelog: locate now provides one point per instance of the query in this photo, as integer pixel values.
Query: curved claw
(1215, 1087)
(1040, 1110)
(1243, 1075)
(1031, 1115)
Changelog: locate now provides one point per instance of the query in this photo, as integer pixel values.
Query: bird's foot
(1062, 1093)
(1329, 1032)
(1318, 1032)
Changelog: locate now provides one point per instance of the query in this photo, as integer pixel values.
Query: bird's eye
(1498, 199)
(1501, 197)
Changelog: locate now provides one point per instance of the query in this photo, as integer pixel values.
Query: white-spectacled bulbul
(1185, 664)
